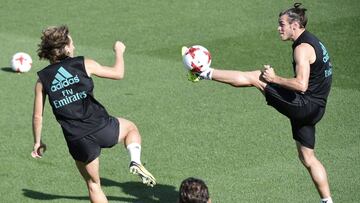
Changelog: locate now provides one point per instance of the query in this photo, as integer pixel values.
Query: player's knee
(307, 159)
(132, 127)
(127, 125)
(93, 185)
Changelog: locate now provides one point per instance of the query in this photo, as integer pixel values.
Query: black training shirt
(70, 92)
(320, 71)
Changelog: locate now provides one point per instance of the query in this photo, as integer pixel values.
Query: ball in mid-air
(196, 58)
(21, 62)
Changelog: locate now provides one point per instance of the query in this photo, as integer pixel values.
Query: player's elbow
(37, 118)
(119, 76)
(119, 71)
(303, 87)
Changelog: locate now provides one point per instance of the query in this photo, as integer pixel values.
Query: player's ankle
(326, 200)
(207, 74)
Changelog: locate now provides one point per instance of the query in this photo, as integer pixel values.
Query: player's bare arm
(304, 55)
(117, 71)
(39, 102)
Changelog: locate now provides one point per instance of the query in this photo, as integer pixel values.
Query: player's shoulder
(304, 47)
(305, 52)
(90, 63)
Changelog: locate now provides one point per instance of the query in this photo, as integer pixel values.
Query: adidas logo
(63, 79)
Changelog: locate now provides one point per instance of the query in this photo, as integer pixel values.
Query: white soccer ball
(196, 58)
(21, 62)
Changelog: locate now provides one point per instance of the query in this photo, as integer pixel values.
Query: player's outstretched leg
(129, 134)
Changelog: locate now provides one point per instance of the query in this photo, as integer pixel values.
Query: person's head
(292, 21)
(193, 190)
(56, 44)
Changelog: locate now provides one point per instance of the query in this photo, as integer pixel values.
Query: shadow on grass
(7, 69)
(139, 192)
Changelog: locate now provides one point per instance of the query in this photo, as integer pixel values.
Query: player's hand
(268, 74)
(119, 47)
(38, 150)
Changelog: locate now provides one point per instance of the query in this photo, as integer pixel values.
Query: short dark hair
(193, 190)
(53, 42)
(296, 14)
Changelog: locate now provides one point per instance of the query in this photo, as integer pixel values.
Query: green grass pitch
(229, 137)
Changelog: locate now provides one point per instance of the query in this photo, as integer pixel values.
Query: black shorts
(88, 148)
(302, 112)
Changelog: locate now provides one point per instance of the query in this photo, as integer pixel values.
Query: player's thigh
(125, 127)
(303, 134)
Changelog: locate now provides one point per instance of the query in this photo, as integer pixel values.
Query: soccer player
(302, 98)
(193, 190)
(86, 125)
